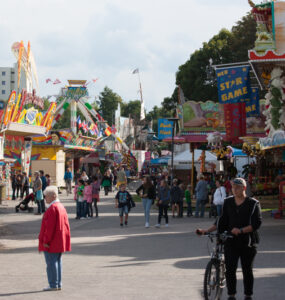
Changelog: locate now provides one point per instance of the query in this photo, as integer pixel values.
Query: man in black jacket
(241, 217)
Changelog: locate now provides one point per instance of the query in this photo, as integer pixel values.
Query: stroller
(24, 205)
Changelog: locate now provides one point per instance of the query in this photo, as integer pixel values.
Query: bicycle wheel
(212, 290)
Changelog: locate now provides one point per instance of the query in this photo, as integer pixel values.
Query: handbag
(39, 195)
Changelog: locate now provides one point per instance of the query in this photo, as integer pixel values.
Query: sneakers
(157, 225)
(121, 225)
(50, 289)
(166, 225)
(126, 223)
(146, 225)
(82, 218)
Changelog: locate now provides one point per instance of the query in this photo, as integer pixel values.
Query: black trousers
(95, 206)
(246, 255)
(163, 209)
(18, 190)
(89, 209)
(25, 189)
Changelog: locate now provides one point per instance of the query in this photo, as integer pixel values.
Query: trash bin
(2, 192)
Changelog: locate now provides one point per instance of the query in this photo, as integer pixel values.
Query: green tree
(155, 114)
(225, 47)
(108, 104)
(132, 108)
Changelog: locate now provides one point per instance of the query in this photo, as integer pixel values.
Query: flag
(108, 131)
(84, 126)
(21, 50)
(48, 80)
(94, 80)
(96, 129)
(28, 55)
(114, 130)
(57, 81)
(136, 71)
(181, 97)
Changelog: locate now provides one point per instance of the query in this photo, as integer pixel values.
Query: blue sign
(164, 129)
(252, 104)
(233, 84)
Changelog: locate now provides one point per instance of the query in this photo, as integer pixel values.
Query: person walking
(241, 216)
(201, 196)
(68, 181)
(163, 200)
(219, 197)
(107, 182)
(87, 195)
(96, 193)
(122, 200)
(25, 185)
(44, 185)
(121, 177)
(14, 185)
(37, 186)
(148, 194)
(54, 238)
(19, 180)
(175, 195)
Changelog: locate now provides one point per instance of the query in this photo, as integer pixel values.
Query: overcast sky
(108, 39)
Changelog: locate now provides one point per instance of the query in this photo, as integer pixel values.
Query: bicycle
(214, 278)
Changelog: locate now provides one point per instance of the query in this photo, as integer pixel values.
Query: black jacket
(239, 216)
(150, 192)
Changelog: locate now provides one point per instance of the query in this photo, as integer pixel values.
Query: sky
(108, 39)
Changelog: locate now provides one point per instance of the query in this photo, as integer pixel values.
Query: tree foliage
(108, 104)
(225, 47)
(132, 109)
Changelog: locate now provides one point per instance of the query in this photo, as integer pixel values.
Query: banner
(235, 121)
(164, 129)
(233, 84)
(252, 104)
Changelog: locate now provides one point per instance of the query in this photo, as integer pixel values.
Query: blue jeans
(82, 209)
(200, 203)
(146, 206)
(54, 267)
(219, 210)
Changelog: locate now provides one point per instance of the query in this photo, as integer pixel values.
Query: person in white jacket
(219, 197)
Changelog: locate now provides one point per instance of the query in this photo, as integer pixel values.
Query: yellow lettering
(224, 97)
(244, 89)
(238, 93)
(227, 84)
(230, 96)
(222, 86)
(238, 80)
(253, 107)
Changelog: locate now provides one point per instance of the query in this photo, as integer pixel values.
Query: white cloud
(84, 39)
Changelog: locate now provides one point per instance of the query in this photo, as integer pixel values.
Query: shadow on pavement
(21, 293)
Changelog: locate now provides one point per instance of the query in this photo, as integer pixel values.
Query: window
(3, 92)
(12, 72)
(12, 81)
(3, 73)
(3, 82)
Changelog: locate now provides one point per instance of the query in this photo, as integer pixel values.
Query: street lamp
(173, 120)
(151, 135)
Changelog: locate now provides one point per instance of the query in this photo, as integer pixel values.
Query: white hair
(51, 190)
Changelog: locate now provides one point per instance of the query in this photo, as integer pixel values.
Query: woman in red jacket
(54, 238)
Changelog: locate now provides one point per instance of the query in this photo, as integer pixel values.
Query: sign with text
(252, 104)
(233, 84)
(235, 121)
(164, 129)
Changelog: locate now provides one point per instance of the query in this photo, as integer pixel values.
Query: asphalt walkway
(109, 262)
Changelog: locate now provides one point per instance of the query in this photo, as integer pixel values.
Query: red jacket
(55, 230)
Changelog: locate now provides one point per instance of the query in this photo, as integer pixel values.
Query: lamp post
(151, 134)
(173, 120)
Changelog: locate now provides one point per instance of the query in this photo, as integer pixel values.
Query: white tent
(183, 160)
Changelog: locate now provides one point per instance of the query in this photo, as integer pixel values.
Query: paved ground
(108, 262)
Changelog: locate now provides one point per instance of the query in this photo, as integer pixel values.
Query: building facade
(8, 81)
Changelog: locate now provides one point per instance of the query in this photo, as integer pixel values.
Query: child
(81, 204)
(95, 193)
(123, 198)
(175, 195)
(87, 198)
(188, 200)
